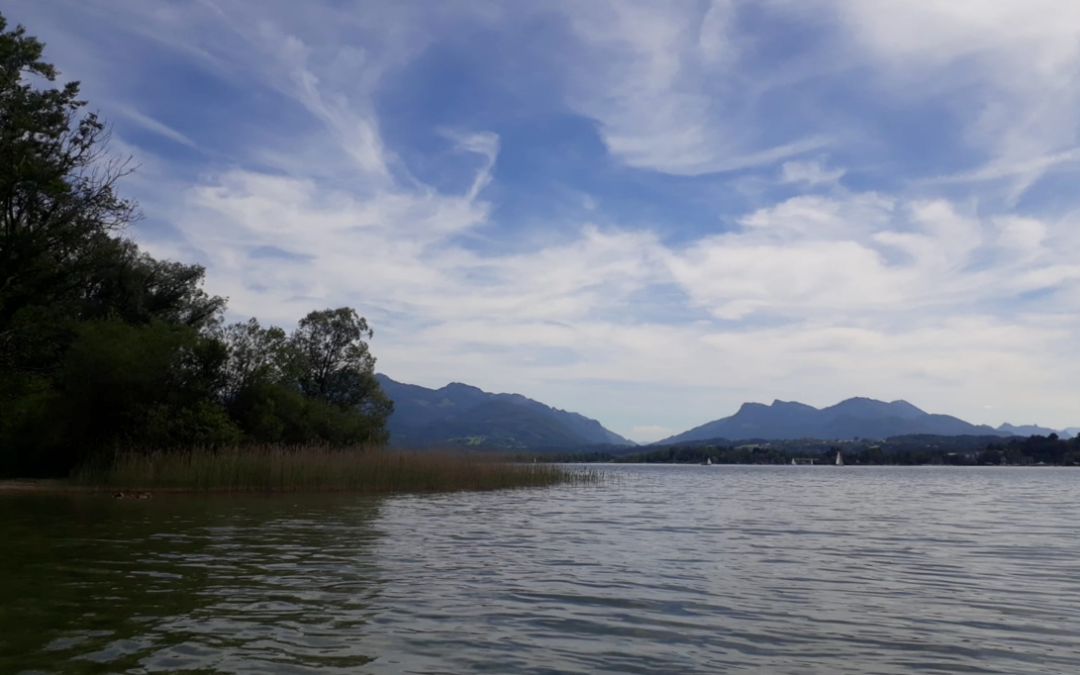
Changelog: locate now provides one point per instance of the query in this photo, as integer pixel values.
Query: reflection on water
(222, 584)
(664, 570)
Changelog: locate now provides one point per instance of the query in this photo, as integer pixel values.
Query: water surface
(664, 569)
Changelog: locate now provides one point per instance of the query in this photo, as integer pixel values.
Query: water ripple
(665, 570)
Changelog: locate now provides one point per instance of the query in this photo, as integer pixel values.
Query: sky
(646, 212)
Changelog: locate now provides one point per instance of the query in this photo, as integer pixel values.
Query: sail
(839, 460)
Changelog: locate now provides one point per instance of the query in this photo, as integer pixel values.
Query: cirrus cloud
(660, 212)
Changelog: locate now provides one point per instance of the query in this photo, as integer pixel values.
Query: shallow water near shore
(661, 569)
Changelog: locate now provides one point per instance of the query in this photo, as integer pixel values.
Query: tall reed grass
(296, 469)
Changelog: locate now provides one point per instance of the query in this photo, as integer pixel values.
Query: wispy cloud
(568, 216)
(668, 90)
(1009, 67)
(811, 172)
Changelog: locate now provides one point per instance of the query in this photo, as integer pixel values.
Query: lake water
(663, 569)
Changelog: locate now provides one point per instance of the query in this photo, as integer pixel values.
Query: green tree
(332, 347)
(317, 385)
(336, 366)
(137, 288)
(122, 385)
(255, 356)
(104, 346)
(259, 368)
(61, 257)
(58, 206)
(65, 269)
(138, 384)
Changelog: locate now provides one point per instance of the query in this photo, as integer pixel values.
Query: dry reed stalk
(316, 468)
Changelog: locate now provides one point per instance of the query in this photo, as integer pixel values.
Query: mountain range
(1035, 430)
(853, 418)
(462, 414)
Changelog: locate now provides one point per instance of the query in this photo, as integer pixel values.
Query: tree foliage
(334, 362)
(316, 384)
(103, 346)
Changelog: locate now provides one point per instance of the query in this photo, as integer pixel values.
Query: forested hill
(463, 414)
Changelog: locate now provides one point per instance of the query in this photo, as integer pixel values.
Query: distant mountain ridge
(462, 414)
(1033, 430)
(852, 418)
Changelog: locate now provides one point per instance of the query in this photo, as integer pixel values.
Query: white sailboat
(839, 459)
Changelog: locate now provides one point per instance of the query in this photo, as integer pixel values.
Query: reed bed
(319, 469)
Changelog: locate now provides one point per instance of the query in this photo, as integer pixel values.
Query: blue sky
(646, 212)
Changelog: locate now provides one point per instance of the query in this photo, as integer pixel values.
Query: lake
(662, 569)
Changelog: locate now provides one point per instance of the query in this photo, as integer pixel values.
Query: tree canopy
(102, 346)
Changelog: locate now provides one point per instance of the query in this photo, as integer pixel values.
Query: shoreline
(42, 485)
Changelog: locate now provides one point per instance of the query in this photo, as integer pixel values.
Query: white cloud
(865, 255)
(672, 87)
(1040, 33)
(155, 126)
(814, 298)
(485, 144)
(875, 294)
(825, 218)
(809, 172)
(665, 87)
(1016, 61)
